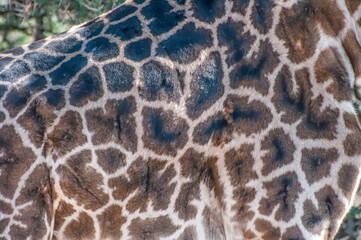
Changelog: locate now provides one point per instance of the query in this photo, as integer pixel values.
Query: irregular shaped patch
(17, 98)
(231, 34)
(67, 134)
(15, 51)
(4, 61)
(316, 163)
(163, 131)
(280, 150)
(55, 98)
(282, 193)
(156, 8)
(3, 89)
(15, 160)
(67, 70)
(347, 176)
(189, 233)
(352, 143)
(63, 211)
(16, 70)
(213, 224)
(186, 44)
(115, 123)
(240, 116)
(42, 61)
(269, 232)
(206, 86)
(119, 76)
(353, 52)
(352, 5)
(111, 221)
(239, 164)
(262, 16)
(102, 49)
(80, 228)
(139, 50)
(152, 228)
(166, 22)
(292, 105)
(82, 183)
(325, 218)
(208, 10)
(120, 12)
(2, 116)
(240, 6)
(293, 233)
(252, 72)
(66, 45)
(91, 29)
(330, 66)
(88, 87)
(110, 159)
(298, 29)
(36, 45)
(150, 180)
(159, 82)
(126, 30)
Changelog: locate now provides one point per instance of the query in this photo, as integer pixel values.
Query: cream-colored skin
(280, 160)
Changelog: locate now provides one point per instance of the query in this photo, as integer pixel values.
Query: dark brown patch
(282, 192)
(239, 165)
(81, 228)
(293, 233)
(352, 143)
(353, 50)
(352, 5)
(152, 228)
(150, 180)
(67, 135)
(213, 224)
(15, 160)
(2, 116)
(280, 150)
(252, 72)
(5, 221)
(190, 233)
(330, 66)
(326, 216)
(347, 176)
(111, 220)
(63, 211)
(5, 208)
(81, 182)
(292, 105)
(240, 116)
(163, 131)
(316, 162)
(37, 118)
(111, 159)
(269, 232)
(115, 123)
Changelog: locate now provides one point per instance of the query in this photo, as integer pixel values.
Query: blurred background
(25, 21)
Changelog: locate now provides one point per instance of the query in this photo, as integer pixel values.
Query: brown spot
(292, 105)
(152, 228)
(282, 192)
(326, 216)
(67, 135)
(151, 182)
(15, 160)
(293, 233)
(183, 206)
(63, 211)
(111, 220)
(280, 150)
(111, 159)
(5, 208)
(37, 118)
(2, 116)
(353, 50)
(116, 123)
(353, 5)
(213, 224)
(81, 228)
(163, 131)
(316, 162)
(330, 66)
(352, 143)
(81, 182)
(239, 165)
(347, 176)
(240, 115)
(252, 72)
(269, 232)
(190, 233)
(3, 224)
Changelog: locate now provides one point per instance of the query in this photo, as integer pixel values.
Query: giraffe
(186, 119)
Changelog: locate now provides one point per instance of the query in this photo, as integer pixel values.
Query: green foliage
(25, 21)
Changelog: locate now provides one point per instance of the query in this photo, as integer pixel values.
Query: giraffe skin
(184, 119)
